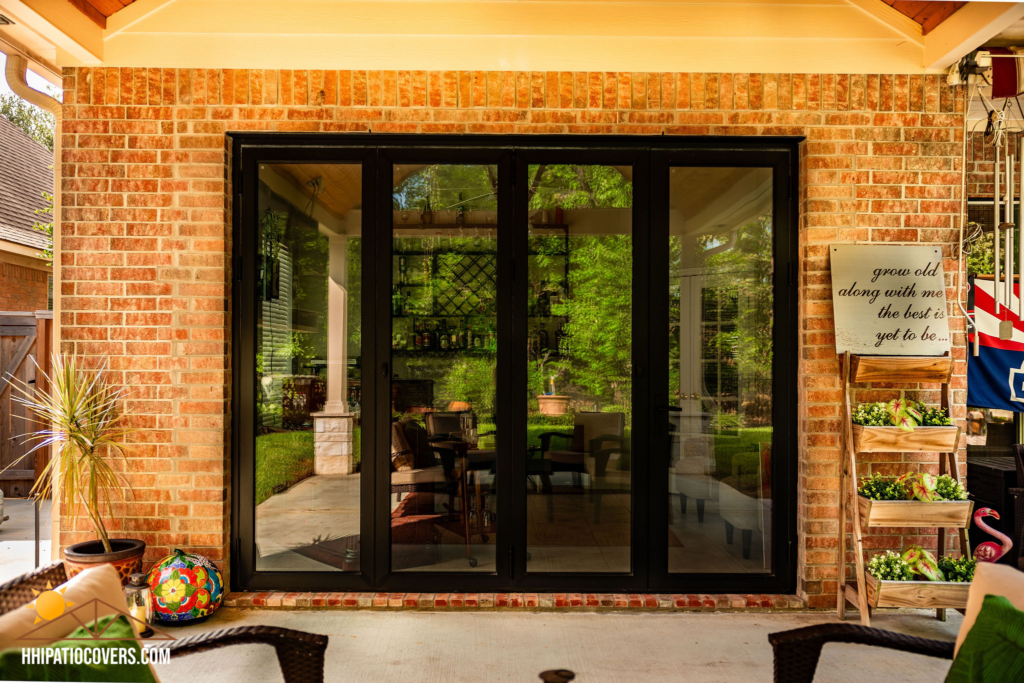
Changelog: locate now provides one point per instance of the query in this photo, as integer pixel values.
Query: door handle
(384, 370)
(670, 409)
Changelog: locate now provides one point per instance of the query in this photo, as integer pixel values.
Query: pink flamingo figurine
(989, 551)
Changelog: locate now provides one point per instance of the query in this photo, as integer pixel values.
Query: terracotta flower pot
(126, 557)
(459, 407)
(553, 405)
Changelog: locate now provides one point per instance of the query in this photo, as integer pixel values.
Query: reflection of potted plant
(80, 417)
(550, 402)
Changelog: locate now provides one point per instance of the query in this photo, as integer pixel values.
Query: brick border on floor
(675, 602)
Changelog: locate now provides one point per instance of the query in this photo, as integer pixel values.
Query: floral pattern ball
(185, 587)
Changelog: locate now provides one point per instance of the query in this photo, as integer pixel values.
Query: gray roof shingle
(24, 176)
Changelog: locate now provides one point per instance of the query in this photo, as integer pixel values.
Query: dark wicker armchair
(300, 655)
(797, 651)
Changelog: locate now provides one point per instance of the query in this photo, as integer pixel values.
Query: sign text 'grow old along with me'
(889, 300)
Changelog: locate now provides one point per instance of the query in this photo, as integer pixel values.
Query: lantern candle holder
(140, 602)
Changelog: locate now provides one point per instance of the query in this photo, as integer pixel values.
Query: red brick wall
(145, 229)
(23, 288)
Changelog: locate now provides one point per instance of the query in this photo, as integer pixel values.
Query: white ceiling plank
(61, 24)
(892, 18)
(554, 18)
(967, 29)
(137, 12)
(504, 53)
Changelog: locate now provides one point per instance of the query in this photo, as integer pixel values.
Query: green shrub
(959, 569)
(890, 566)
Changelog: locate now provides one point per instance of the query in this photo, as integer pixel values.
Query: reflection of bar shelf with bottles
(540, 312)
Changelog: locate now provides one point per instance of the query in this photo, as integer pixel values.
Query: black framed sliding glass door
(446, 248)
(722, 306)
(513, 363)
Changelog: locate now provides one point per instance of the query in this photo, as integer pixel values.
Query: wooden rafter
(927, 14)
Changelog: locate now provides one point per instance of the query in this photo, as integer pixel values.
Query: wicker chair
(300, 655)
(797, 651)
(1018, 505)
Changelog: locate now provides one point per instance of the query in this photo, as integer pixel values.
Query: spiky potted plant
(80, 417)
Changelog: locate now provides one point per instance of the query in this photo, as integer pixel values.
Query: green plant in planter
(904, 414)
(871, 415)
(934, 417)
(900, 413)
(80, 417)
(958, 569)
(948, 488)
(890, 566)
(923, 563)
(919, 485)
(882, 487)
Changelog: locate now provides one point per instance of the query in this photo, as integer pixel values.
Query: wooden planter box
(894, 439)
(925, 594)
(946, 513)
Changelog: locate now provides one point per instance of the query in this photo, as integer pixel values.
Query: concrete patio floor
(17, 554)
(457, 647)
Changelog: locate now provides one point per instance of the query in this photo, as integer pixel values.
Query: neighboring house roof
(24, 175)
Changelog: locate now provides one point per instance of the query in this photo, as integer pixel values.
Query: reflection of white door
(695, 455)
(693, 399)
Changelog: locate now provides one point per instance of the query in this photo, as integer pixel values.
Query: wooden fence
(24, 337)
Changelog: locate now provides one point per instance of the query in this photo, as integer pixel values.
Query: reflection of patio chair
(743, 495)
(694, 471)
(410, 443)
(595, 438)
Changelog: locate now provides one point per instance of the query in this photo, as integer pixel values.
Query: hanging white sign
(889, 300)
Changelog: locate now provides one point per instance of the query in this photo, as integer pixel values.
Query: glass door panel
(720, 330)
(579, 356)
(444, 349)
(308, 349)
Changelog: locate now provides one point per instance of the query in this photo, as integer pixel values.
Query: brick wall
(145, 232)
(23, 288)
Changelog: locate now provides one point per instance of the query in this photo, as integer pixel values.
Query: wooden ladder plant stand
(867, 592)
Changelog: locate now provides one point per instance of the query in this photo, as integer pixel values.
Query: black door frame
(785, 361)
(651, 158)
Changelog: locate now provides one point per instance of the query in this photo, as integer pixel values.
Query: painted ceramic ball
(185, 588)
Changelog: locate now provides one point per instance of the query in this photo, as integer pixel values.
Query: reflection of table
(469, 460)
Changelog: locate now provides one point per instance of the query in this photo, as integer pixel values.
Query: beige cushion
(990, 579)
(100, 586)
(599, 424)
(427, 475)
(565, 457)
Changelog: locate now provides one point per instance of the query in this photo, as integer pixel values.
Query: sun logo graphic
(49, 604)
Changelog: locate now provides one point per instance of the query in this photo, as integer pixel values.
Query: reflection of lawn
(282, 460)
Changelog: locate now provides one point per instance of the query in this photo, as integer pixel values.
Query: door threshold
(541, 602)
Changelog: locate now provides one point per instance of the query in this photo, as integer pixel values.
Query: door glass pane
(580, 401)
(720, 370)
(444, 341)
(308, 302)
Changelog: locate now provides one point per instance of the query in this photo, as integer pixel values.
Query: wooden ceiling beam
(88, 10)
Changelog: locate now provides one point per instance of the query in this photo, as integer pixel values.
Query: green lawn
(282, 460)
